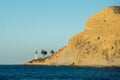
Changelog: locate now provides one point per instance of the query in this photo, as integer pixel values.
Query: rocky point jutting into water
(97, 45)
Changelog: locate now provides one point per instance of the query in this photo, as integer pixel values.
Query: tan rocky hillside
(97, 45)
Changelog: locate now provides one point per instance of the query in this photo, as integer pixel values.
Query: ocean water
(22, 72)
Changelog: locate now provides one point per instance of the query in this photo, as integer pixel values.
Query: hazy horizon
(30, 25)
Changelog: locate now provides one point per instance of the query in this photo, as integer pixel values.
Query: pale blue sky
(29, 25)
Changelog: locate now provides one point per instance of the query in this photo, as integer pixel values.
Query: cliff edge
(97, 45)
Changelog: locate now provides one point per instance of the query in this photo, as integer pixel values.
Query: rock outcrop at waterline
(97, 45)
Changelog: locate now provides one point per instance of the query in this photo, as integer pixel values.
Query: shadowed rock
(116, 9)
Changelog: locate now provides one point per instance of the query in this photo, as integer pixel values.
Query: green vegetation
(43, 52)
(52, 52)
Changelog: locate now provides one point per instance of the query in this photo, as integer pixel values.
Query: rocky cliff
(97, 45)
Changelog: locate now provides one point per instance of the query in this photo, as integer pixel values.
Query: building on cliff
(36, 55)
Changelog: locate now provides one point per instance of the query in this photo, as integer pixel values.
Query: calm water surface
(21, 72)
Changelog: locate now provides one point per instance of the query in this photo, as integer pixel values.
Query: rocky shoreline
(97, 46)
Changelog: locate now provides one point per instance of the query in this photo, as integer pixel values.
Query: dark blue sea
(22, 72)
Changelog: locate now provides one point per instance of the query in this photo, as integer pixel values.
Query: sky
(30, 25)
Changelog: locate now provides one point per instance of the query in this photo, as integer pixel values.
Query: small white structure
(36, 55)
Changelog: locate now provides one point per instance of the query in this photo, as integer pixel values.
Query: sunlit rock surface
(97, 45)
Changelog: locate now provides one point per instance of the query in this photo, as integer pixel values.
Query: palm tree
(52, 52)
(43, 52)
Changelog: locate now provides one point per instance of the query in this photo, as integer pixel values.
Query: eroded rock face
(97, 45)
